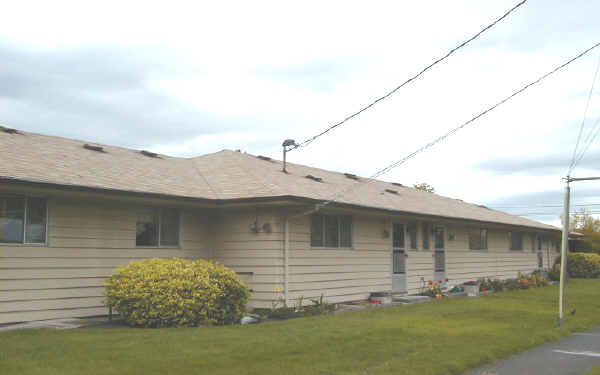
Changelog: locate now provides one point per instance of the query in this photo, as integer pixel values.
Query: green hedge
(176, 292)
(580, 265)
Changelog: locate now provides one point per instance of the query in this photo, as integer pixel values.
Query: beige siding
(87, 241)
(497, 261)
(352, 274)
(340, 274)
(257, 256)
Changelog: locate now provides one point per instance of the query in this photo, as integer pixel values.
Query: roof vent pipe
(288, 145)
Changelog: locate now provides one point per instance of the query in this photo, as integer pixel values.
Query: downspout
(286, 250)
(286, 259)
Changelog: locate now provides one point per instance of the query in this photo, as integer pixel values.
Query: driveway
(571, 356)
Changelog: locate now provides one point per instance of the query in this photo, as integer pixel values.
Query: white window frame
(429, 234)
(351, 247)
(24, 239)
(407, 239)
(487, 238)
(510, 235)
(158, 211)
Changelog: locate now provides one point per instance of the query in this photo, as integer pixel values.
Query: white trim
(24, 237)
(323, 215)
(158, 212)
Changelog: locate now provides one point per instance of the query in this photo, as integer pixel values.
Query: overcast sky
(187, 80)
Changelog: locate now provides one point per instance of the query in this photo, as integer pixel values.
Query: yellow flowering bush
(176, 292)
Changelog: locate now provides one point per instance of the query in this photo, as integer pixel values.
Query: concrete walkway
(574, 355)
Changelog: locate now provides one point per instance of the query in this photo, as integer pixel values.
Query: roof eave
(233, 201)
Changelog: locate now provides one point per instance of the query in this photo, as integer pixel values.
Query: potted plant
(472, 288)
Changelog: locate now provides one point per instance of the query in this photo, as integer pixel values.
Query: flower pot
(472, 290)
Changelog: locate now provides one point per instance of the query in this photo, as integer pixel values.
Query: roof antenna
(287, 143)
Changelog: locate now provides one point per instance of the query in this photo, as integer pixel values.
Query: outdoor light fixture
(288, 145)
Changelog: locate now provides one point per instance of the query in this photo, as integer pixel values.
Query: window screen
(22, 220)
(332, 231)
(411, 230)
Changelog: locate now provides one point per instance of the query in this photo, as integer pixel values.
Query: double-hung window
(22, 220)
(411, 230)
(157, 228)
(516, 240)
(478, 239)
(426, 235)
(334, 231)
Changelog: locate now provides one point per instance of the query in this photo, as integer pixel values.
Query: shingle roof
(223, 175)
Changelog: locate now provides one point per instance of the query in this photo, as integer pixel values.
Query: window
(516, 240)
(539, 243)
(333, 231)
(438, 237)
(22, 220)
(426, 235)
(398, 237)
(411, 230)
(157, 227)
(478, 239)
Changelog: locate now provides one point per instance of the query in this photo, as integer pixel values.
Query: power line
(544, 205)
(587, 105)
(311, 139)
(473, 119)
(593, 134)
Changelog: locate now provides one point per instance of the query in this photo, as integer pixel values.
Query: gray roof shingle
(222, 175)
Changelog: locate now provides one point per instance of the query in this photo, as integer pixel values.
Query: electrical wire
(390, 93)
(544, 205)
(593, 134)
(587, 105)
(451, 132)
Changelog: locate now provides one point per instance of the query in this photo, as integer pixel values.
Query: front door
(398, 258)
(439, 256)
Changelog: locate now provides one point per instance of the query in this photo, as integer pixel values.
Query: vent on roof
(265, 158)
(391, 191)
(482, 206)
(397, 184)
(351, 176)
(9, 130)
(149, 154)
(93, 147)
(311, 177)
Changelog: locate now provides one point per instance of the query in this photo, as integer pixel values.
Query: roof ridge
(260, 179)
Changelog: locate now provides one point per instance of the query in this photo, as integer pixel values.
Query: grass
(594, 371)
(443, 337)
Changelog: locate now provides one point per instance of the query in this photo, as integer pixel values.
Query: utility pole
(564, 249)
(565, 246)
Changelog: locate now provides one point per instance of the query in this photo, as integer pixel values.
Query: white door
(398, 258)
(439, 262)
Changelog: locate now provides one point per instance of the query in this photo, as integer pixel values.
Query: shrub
(581, 265)
(176, 292)
(491, 284)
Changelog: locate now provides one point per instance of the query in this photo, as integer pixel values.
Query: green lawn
(442, 337)
(594, 371)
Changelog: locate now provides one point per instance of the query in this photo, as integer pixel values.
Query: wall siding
(340, 274)
(87, 241)
(258, 255)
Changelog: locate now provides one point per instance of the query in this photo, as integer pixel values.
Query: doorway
(439, 256)
(398, 258)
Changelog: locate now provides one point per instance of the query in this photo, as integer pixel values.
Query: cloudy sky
(192, 78)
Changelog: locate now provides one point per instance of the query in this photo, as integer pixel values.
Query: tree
(425, 187)
(583, 222)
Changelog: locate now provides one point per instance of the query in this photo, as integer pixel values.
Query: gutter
(223, 202)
